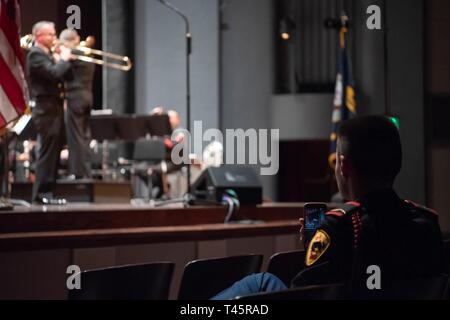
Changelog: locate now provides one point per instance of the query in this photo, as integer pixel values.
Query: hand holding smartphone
(314, 215)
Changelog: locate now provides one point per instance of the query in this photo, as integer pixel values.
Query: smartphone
(314, 215)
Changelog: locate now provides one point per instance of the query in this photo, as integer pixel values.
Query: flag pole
(5, 204)
(387, 106)
(345, 107)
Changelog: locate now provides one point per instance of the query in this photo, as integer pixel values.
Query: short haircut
(41, 24)
(373, 146)
(68, 35)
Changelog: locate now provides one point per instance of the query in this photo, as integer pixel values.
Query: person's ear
(345, 166)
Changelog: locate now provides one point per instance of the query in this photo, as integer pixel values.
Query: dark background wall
(161, 59)
(247, 68)
(394, 85)
(437, 75)
(118, 36)
(306, 62)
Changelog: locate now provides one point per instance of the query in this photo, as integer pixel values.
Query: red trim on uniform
(422, 207)
(357, 226)
(354, 203)
(335, 213)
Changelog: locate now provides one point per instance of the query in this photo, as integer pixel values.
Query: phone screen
(314, 216)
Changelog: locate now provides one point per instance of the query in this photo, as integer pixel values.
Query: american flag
(14, 94)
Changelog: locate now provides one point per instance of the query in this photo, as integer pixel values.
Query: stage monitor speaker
(214, 182)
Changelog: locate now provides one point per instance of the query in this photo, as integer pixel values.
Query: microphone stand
(188, 78)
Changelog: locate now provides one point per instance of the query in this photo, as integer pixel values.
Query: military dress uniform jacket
(403, 239)
(79, 88)
(46, 79)
(79, 105)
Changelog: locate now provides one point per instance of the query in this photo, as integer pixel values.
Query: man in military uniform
(78, 113)
(377, 228)
(46, 77)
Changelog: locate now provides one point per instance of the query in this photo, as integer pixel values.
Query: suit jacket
(46, 79)
(79, 88)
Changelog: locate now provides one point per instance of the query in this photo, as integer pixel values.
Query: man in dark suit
(46, 74)
(79, 105)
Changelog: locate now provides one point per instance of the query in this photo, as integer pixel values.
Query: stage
(96, 225)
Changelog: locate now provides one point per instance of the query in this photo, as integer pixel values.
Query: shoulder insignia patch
(317, 247)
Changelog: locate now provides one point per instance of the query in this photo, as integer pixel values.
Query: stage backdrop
(160, 58)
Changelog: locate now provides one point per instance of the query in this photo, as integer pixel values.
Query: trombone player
(46, 74)
(79, 104)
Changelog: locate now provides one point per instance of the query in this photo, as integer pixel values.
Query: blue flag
(344, 99)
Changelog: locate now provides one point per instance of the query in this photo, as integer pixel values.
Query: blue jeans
(255, 283)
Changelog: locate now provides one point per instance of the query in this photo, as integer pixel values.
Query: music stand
(159, 125)
(103, 127)
(131, 127)
(134, 127)
(25, 128)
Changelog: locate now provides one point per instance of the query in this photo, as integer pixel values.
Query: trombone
(84, 53)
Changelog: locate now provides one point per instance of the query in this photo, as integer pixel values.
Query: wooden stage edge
(93, 226)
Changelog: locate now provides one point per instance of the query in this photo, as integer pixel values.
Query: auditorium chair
(447, 256)
(430, 288)
(318, 292)
(286, 265)
(203, 279)
(149, 281)
(434, 288)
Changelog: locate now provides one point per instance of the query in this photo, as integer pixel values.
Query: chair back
(447, 256)
(286, 265)
(319, 292)
(202, 279)
(149, 281)
(430, 288)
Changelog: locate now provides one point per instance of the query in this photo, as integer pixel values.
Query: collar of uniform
(379, 198)
(43, 51)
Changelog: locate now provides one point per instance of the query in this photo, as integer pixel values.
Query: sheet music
(21, 124)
